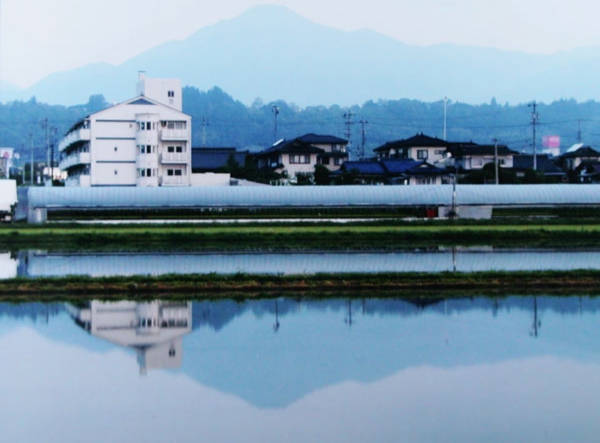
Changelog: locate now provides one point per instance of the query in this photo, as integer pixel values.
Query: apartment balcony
(78, 135)
(81, 180)
(174, 135)
(81, 158)
(174, 180)
(169, 158)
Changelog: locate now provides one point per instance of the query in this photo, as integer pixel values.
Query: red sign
(551, 141)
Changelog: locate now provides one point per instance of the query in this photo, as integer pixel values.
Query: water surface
(477, 370)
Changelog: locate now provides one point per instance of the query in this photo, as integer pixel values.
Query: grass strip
(212, 285)
(295, 238)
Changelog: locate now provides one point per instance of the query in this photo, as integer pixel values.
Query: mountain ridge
(270, 52)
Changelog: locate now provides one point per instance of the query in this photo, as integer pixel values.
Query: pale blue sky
(38, 37)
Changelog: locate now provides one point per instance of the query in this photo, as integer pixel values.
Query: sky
(39, 37)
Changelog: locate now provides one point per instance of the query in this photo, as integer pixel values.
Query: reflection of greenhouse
(154, 329)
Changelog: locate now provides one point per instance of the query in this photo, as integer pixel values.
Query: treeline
(221, 121)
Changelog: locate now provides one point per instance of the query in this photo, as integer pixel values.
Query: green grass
(295, 237)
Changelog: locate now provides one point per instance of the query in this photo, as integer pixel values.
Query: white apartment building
(145, 141)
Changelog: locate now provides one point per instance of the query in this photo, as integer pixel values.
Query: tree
(321, 175)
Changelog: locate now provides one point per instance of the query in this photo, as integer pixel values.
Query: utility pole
(445, 105)
(534, 120)
(496, 159)
(31, 163)
(204, 125)
(275, 111)
(363, 133)
(579, 130)
(348, 116)
(45, 127)
(53, 132)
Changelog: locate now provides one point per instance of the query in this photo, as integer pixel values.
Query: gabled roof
(472, 149)
(582, 152)
(412, 167)
(303, 144)
(141, 101)
(364, 167)
(316, 139)
(418, 141)
(393, 167)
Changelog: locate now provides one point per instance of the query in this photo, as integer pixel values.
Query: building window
(116, 148)
(422, 154)
(325, 160)
(338, 161)
(116, 172)
(299, 159)
(174, 172)
(171, 94)
(440, 152)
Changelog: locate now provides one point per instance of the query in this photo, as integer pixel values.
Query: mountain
(271, 53)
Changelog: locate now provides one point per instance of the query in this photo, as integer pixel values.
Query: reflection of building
(8, 265)
(153, 329)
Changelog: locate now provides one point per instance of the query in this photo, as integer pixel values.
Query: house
(472, 156)
(301, 155)
(418, 147)
(145, 141)
(587, 173)
(545, 165)
(577, 155)
(396, 171)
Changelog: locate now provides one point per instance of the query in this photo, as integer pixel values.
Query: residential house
(544, 164)
(395, 171)
(301, 155)
(472, 156)
(145, 141)
(419, 147)
(577, 155)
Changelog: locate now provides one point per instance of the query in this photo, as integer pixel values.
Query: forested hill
(219, 120)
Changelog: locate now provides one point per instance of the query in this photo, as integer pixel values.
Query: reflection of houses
(397, 171)
(300, 155)
(154, 329)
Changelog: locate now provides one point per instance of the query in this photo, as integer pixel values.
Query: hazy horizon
(67, 34)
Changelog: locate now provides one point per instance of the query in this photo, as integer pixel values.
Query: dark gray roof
(419, 140)
(212, 159)
(543, 164)
(471, 149)
(584, 151)
(304, 143)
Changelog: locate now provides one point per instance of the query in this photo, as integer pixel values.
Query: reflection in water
(8, 265)
(41, 264)
(153, 329)
(432, 370)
